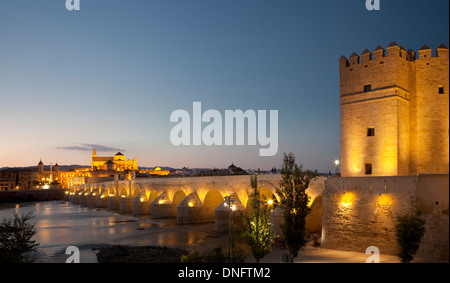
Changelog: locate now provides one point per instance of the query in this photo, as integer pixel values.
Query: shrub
(212, 256)
(409, 233)
(192, 257)
(15, 239)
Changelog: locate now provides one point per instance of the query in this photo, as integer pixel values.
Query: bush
(213, 256)
(409, 233)
(192, 257)
(15, 239)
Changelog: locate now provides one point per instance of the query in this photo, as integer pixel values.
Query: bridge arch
(268, 190)
(102, 189)
(111, 190)
(175, 193)
(178, 196)
(213, 198)
(137, 189)
(123, 190)
(314, 218)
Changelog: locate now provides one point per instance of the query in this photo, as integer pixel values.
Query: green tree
(258, 233)
(294, 201)
(409, 233)
(15, 239)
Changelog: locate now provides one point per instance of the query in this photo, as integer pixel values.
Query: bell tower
(40, 167)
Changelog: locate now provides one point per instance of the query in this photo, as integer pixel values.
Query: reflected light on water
(61, 224)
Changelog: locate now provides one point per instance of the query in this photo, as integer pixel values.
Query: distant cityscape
(104, 168)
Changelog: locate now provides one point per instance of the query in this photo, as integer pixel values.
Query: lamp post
(336, 165)
(230, 204)
(270, 205)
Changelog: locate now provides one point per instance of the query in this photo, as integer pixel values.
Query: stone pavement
(312, 254)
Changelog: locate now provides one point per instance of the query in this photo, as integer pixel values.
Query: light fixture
(336, 165)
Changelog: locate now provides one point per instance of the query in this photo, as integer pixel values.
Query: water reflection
(62, 224)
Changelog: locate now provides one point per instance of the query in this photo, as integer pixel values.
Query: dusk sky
(111, 74)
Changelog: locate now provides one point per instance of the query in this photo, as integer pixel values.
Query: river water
(62, 224)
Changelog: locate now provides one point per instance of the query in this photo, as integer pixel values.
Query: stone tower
(40, 167)
(56, 168)
(394, 112)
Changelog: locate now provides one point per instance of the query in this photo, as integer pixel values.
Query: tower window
(369, 169)
(370, 132)
(367, 88)
(441, 90)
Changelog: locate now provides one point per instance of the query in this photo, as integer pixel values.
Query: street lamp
(231, 207)
(270, 205)
(336, 165)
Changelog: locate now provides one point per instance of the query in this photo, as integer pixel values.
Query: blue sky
(112, 73)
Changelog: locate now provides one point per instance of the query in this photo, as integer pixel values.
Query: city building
(29, 178)
(103, 168)
(156, 171)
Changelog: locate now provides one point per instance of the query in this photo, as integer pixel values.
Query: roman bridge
(189, 199)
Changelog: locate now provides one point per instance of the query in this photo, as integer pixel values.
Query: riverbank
(19, 196)
(145, 254)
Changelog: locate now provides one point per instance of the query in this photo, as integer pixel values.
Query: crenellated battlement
(393, 51)
(394, 111)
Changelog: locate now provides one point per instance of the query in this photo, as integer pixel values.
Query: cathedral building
(113, 163)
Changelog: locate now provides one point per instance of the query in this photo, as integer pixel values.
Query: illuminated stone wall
(432, 111)
(362, 212)
(397, 95)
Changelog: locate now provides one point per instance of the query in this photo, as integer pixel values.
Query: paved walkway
(312, 254)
